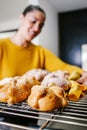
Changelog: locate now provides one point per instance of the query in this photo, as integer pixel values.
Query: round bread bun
(16, 89)
(39, 74)
(45, 98)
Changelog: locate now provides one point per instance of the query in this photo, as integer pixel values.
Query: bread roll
(17, 89)
(39, 74)
(45, 98)
(56, 79)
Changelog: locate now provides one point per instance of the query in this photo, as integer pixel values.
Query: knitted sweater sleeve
(53, 63)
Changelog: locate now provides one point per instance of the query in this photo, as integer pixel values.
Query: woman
(19, 55)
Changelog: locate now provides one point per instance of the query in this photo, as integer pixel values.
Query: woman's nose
(36, 28)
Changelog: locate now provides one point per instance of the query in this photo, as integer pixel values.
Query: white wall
(49, 35)
(9, 13)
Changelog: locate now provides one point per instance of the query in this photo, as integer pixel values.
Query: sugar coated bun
(17, 89)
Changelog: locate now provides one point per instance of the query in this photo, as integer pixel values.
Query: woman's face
(31, 24)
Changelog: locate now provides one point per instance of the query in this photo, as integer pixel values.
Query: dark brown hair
(31, 8)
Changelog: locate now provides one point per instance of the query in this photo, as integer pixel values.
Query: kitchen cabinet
(72, 34)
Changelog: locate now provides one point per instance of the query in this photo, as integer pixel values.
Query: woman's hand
(83, 78)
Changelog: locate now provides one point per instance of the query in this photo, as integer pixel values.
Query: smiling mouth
(33, 34)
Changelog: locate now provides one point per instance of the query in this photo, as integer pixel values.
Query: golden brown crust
(17, 89)
(46, 98)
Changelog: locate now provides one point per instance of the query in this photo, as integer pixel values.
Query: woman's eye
(41, 26)
(33, 21)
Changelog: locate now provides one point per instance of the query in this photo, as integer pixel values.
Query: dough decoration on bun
(16, 89)
(46, 98)
(59, 78)
(39, 74)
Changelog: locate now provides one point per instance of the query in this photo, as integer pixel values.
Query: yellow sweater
(16, 60)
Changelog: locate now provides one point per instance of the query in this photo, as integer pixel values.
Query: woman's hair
(31, 8)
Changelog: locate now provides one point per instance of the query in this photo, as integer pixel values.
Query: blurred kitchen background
(65, 30)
